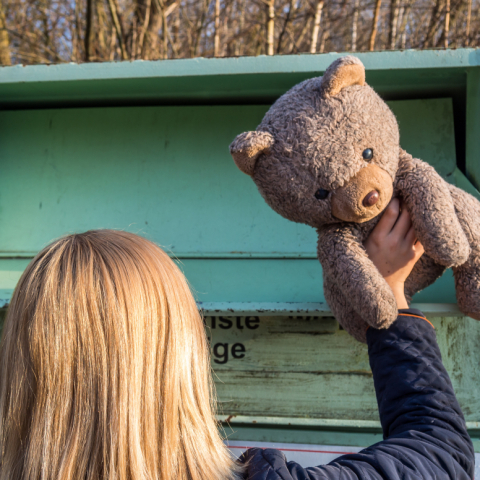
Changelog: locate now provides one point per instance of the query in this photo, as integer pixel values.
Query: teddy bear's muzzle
(364, 196)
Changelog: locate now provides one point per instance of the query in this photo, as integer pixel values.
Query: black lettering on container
(238, 350)
(220, 352)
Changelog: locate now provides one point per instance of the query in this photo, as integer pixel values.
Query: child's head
(104, 368)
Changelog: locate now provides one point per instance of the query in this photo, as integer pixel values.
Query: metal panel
(400, 74)
(307, 367)
(473, 127)
(305, 372)
(165, 172)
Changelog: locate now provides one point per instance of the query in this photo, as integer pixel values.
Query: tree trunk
(290, 15)
(133, 39)
(118, 23)
(403, 25)
(158, 15)
(355, 25)
(102, 25)
(167, 12)
(469, 17)
(378, 4)
(164, 30)
(89, 31)
(163, 12)
(270, 27)
(216, 48)
(447, 22)
(200, 25)
(240, 45)
(392, 36)
(452, 10)
(316, 26)
(76, 38)
(143, 22)
(4, 40)
(113, 36)
(324, 38)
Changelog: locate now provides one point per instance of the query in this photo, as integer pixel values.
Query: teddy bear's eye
(321, 194)
(367, 154)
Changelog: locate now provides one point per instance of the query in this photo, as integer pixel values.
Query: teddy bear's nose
(371, 199)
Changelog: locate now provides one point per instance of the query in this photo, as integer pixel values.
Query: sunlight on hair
(105, 370)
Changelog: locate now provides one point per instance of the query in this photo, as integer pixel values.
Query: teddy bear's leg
(467, 286)
(343, 311)
(424, 273)
(467, 276)
(344, 259)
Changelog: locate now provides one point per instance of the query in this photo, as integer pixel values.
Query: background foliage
(54, 31)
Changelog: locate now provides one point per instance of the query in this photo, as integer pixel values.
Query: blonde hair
(104, 368)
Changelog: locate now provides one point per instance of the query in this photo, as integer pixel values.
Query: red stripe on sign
(294, 450)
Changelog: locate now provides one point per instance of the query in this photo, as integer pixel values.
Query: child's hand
(394, 249)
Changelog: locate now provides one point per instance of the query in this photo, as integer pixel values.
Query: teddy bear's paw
(358, 331)
(357, 327)
(343, 311)
(471, 308)
(384, 313)
(467, 285)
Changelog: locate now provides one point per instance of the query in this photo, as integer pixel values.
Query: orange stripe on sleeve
(416, 316)
(410, 315)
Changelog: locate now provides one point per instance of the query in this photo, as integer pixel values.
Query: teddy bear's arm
(343, 258)
(430, 204)
(343, 311)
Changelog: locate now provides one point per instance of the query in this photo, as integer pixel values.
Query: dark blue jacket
(424, 431)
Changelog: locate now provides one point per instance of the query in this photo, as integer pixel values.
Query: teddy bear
(327, 154)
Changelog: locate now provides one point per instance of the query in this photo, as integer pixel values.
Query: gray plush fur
(312, 138)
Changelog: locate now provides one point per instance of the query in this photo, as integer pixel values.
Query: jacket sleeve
(425, 435)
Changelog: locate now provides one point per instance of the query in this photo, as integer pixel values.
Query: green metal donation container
(143, 146)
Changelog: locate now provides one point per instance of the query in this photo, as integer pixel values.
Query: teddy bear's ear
(344, 72)
(247, 147)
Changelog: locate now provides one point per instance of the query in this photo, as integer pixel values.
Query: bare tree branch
(432, 26)
(46, 31)
(288, 17)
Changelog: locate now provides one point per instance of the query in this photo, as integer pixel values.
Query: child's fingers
(403, 224)
(411, 236)
(389, 217)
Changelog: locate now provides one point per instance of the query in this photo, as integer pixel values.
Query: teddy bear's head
(326, 151)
